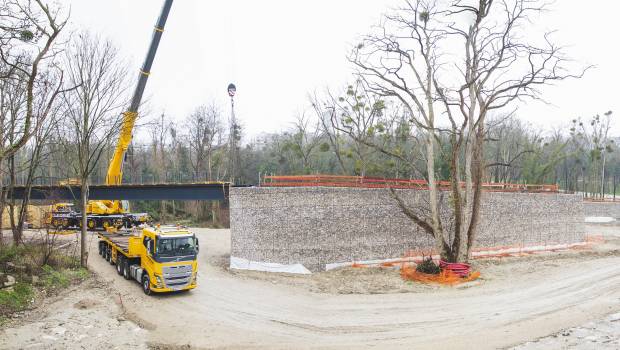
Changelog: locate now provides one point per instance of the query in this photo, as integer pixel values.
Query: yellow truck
(162, 259)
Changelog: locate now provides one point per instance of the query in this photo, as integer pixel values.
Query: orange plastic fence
(445, 277)
(375, 182)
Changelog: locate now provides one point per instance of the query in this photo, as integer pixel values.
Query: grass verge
(40, 270)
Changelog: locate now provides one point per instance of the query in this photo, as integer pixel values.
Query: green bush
(57, 279)
(11, 252)
(54, 279)
(428, 266)
(17, 299)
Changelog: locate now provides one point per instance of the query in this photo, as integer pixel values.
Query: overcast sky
(278, 51)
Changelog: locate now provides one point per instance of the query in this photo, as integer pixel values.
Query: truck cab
(161, 259)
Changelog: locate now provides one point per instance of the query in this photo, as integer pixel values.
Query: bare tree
(594, 138)
(205, 138)
(411, 58)
(93, 109)
(28, 48)
(303, 142)
(204, 127)
(29, 33)
(36, 155)
(159, 138)
(325, 113)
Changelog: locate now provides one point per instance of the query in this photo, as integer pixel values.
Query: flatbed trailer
(73, 219)
(160, 259)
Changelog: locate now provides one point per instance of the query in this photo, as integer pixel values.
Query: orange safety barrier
(446, 277)
(376, 182)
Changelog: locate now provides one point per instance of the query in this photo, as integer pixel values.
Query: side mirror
(149, 247)
(197, 245)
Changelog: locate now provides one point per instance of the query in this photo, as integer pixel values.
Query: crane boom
(115, 169)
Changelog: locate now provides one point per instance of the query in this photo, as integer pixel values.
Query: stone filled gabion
(315, 226)
(602, 209)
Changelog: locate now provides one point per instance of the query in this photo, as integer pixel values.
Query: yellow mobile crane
(161, 259)
(115, 169)
(102, 214)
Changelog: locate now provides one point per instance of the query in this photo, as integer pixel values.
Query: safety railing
(376, 182)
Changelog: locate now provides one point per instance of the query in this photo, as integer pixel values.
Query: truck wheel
(146, 284)
(119, 264)
(100, 248)
(108, 253)
(91, 224)
(126, 273)
(111, 261)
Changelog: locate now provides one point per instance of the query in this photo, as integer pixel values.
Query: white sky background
(278, 51)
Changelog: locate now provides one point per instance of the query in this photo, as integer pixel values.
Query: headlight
(159, 282)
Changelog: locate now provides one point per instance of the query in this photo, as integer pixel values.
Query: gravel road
(520, 300)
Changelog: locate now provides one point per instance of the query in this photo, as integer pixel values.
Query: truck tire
(146, 284)
(111, 260)
(101, 248)
(119, 264)
(126, 272)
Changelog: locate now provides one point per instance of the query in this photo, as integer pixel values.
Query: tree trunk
(603, 178)
(478, 174)
(162, 212)
(432, 194)
(17, 234)
(2, 201)
(83, 233)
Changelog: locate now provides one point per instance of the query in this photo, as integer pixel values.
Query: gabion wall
(316, 226)
(602, 209)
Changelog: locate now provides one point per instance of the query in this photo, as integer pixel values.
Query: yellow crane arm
(115, 170)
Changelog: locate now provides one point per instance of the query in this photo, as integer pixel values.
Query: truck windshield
(179, 246)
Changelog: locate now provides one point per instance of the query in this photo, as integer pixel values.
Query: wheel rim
(91, 224)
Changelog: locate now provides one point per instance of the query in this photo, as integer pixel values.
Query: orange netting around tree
(445, 277)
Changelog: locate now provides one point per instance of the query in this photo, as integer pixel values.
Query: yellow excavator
(115, 213)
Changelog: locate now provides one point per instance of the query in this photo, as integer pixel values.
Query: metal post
(232, 142)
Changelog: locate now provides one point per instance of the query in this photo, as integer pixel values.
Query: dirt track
(520, 300)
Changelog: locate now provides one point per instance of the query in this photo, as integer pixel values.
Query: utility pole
(233, 166)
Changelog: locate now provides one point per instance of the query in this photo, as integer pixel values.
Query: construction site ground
(567, 299)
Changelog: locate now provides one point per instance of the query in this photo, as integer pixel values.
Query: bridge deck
(182, 192)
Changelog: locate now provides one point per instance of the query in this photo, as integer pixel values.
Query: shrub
(54, 279)
(57, 279)
(17, 299)
(428, 266)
